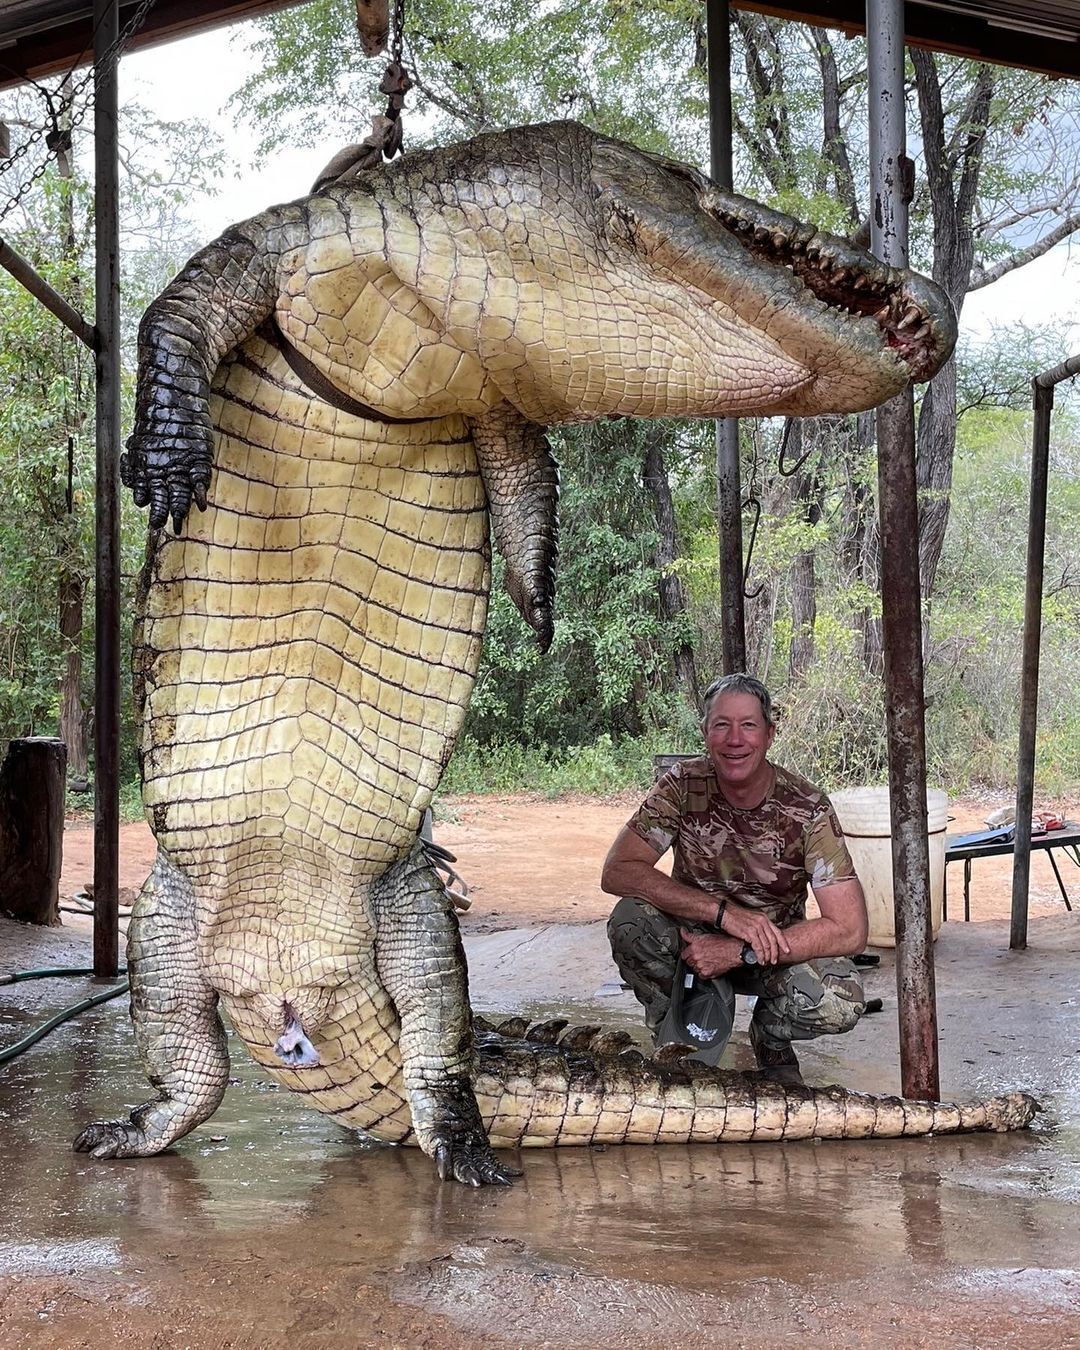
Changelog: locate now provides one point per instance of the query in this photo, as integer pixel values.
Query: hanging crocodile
(349, 388)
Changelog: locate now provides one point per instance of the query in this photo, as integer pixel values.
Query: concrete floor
(269, 1226)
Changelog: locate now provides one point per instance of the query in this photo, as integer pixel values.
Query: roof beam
(945, 26)
(38, 52)
(51, 45)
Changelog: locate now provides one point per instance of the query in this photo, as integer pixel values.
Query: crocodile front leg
(177, 1028)
(422, 965)
(219, 298)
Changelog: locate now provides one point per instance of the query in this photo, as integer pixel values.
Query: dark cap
(701, 1014)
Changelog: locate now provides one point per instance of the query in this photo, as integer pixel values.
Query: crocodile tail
(538, 1093)
(835, 1113)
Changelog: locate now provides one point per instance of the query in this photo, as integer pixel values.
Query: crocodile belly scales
(308, 645)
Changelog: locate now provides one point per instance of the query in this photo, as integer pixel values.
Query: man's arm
(630, 869)
(840, 931)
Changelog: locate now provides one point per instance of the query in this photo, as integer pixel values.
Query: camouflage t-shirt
(763, 858)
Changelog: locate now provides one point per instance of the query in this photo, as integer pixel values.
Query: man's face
(737, 738)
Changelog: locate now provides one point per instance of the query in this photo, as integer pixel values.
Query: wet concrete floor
(270, 1226)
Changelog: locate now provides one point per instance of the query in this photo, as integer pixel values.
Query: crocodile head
(592, 279)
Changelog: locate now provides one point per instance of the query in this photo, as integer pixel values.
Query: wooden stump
(32, 829)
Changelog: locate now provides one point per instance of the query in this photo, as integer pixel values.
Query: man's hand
(710, 956)
(769, 943)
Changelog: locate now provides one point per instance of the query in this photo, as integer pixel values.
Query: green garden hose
(65, 1014)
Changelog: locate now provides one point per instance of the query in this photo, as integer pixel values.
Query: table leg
(1061, 884)
(967, 890)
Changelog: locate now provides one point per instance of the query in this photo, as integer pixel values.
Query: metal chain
(384, 141)
(397, 31)
(108, 58)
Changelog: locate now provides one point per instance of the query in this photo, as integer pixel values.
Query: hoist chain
(54, 137)
(385, 139)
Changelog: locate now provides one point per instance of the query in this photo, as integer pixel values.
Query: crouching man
(749, 837)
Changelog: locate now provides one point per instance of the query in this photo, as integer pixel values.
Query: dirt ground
(528, 860)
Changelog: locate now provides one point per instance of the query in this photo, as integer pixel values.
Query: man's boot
(776, 1060)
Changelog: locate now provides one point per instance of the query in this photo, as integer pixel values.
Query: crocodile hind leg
(177, 1028)
(422, 965)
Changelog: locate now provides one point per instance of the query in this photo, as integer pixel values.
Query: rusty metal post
(107, 494)
(900, 589)
(728, 482)
(1043, 398)
(1029, 683)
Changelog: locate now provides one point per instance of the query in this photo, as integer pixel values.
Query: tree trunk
(953, 172)
(72, 717)
(802, 580)
(672, 597)
(32, 780)
(859, 549)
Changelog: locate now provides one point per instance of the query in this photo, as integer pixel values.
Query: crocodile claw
(114, 1139)
(168, 471)
(473, 1164)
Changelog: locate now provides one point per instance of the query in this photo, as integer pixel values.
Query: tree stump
(32, 829)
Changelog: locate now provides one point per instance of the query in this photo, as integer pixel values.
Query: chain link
(108, 59)
(398, 31)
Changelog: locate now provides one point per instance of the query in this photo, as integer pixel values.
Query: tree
(985, 209)
(47, 380)
(619, 636)
(480, 69)
(984, 131)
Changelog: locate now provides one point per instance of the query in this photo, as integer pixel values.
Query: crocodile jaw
(647, 291)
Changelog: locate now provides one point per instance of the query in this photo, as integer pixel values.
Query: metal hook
(751, 502)
(789, 422)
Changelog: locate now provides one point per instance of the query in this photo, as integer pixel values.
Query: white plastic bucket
(864, 815)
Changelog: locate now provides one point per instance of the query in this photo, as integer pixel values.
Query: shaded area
(271, 1226)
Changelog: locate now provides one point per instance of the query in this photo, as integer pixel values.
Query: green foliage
(832, 723)
(607, 672)
(506, 767)
(976, 626)
(47, 402)
(482, 69)
(47, 385)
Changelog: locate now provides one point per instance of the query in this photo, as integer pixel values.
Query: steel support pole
(107, 495)
(1043, 398)
(900, 590)
(728, 480)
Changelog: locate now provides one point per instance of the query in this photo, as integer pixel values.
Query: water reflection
(271, 1179)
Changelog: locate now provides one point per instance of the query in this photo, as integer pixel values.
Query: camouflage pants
(794, 1003)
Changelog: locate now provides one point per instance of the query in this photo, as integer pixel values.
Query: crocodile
(354, 390)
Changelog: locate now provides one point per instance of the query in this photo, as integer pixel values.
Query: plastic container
(661, 763)
(864, 815)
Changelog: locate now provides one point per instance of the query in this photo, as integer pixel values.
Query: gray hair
(739, 683)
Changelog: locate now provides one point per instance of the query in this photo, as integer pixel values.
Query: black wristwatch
(748, 956)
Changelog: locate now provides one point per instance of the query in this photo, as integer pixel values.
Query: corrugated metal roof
(43, 37)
